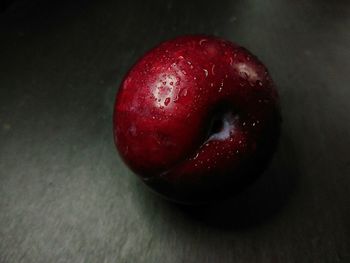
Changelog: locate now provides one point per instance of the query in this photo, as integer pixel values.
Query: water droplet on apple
(167, 101)
(189, 63)
(244, 74)
(202, 41)
(259, 83)
(205, 72)
(184, 72)
(221, 85)
(231, 61)
(213, 70)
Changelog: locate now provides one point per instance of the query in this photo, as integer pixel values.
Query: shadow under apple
(255, 205)
(258, 202)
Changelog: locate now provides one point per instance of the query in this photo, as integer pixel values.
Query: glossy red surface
(196, 117)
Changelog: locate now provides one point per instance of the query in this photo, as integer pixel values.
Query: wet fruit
(197, 118)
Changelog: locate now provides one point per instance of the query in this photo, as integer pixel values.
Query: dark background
(65, 195)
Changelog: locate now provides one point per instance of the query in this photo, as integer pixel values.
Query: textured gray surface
(65, 195)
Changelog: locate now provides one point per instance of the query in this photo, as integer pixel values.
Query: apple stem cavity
(224, 127)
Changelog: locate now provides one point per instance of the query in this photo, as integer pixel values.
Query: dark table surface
(66, 196)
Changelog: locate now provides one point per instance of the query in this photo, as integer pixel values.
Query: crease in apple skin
(194, 116)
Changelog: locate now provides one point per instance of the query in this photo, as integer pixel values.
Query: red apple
(197, 118)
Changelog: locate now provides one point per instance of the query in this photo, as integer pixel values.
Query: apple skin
(197, 118)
